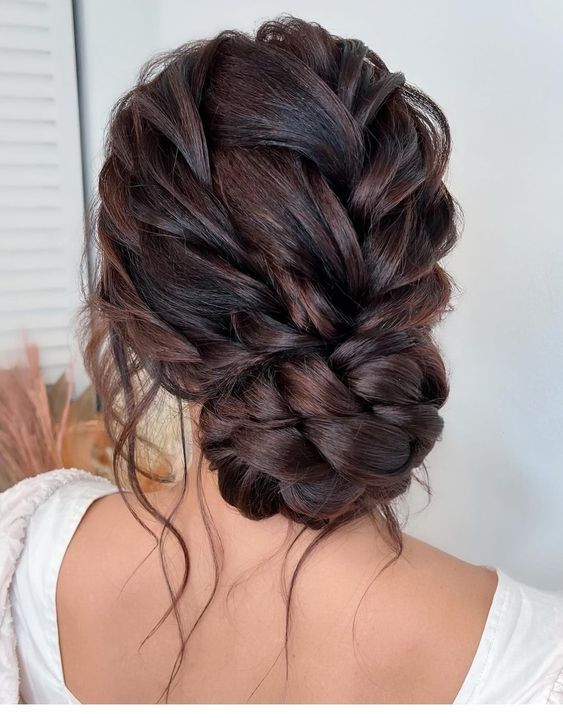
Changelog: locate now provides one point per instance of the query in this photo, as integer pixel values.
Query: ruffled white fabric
(556, 694)
(17, 506)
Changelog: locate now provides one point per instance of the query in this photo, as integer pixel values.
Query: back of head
(272, 214)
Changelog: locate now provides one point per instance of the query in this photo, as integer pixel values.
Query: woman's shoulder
(39, 515)
(80, 532)
(515, 629)
(429, 608)
(112, 539)
(53, 498)
(463, 632)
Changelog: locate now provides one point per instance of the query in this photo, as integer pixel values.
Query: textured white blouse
(519, 658)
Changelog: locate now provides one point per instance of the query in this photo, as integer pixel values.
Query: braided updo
(272, 214)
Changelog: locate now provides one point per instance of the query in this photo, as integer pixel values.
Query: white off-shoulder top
(519, 658)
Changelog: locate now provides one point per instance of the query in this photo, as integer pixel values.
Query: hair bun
(324, 437)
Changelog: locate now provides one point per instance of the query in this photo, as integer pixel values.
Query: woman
(272, 216)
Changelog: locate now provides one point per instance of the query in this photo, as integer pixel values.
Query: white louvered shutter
(41, 198)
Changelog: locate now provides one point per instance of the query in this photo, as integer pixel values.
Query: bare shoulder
(115, 534)
(446, 571)
(459, 593)
(109, 595)
(432, 607)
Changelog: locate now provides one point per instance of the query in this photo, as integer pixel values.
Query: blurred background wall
(496, 68)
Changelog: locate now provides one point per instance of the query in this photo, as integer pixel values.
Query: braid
(272, 216)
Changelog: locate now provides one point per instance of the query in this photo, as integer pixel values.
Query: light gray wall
(497, 71)
(114, 38)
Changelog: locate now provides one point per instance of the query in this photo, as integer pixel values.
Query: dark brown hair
(272, 213)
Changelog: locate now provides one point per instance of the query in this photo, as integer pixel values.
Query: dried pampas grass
(43, 428)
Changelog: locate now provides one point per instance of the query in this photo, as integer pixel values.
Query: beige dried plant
(42, 428)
